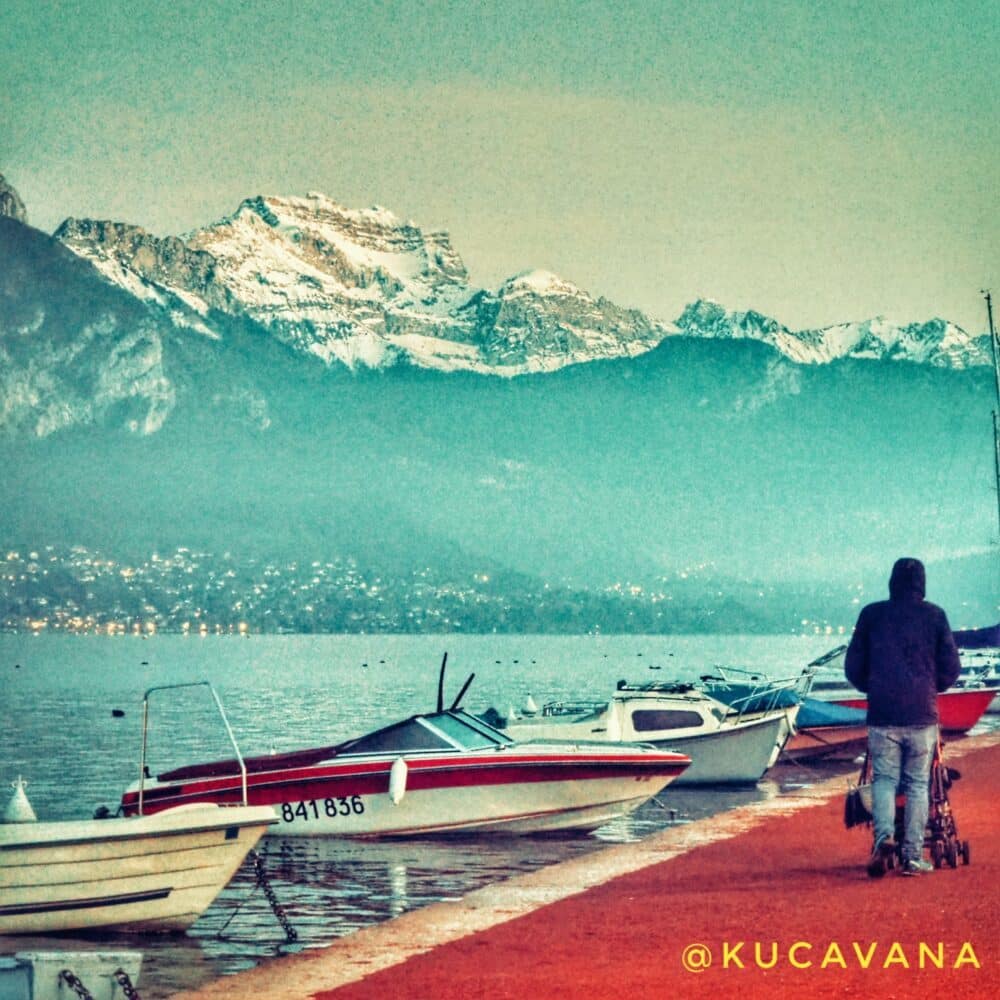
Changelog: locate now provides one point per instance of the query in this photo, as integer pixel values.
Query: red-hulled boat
(959, 708)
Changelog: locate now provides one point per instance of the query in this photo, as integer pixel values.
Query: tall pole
(996, 411)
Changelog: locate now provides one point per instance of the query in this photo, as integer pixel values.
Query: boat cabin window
(646, 720)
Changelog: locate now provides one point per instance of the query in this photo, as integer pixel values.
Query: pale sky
(817, 162)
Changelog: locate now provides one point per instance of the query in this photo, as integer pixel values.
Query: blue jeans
(901, 763)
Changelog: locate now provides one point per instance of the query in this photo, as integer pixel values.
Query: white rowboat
(138, 874)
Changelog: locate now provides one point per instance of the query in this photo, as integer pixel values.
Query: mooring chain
(125, 983)
(279, 911)
(75, 985)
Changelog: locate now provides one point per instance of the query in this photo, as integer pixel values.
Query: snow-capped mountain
(121, 327)
(359, 287)
(364, 288)
(936, 342)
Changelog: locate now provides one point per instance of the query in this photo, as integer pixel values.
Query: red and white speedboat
(959, 708)
(441, 772)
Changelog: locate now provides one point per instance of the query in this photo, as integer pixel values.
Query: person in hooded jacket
(902, 654)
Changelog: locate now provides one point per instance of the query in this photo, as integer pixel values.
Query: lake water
(58, 693)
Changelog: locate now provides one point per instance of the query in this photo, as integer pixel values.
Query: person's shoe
(881, 857)
(916, 866)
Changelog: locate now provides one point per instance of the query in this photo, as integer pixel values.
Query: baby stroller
(941, 833)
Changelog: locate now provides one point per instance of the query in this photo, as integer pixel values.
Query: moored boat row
(182, 833)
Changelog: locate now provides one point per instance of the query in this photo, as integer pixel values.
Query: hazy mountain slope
(618, 470)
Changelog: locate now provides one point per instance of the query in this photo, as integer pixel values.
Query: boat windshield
(468, 731)
(434, 731)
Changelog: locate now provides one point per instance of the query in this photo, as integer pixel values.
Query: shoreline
(409, 945)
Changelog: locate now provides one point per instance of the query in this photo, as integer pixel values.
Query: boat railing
(559, 708)
(663, 687)
(763, 694)
(145, 734)
(978, 676)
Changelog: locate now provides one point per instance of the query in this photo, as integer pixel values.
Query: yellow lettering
(896, 956)
(794, 950)
(731, 954)
(936, 958)
(833, 956)
(865, 959)
(758, 959)
(967, 956)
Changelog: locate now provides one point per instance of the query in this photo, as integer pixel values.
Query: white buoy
(19, 808)
(397, 781)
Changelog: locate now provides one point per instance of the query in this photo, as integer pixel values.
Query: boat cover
(814, 714)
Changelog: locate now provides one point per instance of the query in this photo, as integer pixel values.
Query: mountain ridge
(362, 287)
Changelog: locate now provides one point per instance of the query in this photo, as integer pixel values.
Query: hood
(908, 580)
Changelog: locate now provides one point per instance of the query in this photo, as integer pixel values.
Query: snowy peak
(366, 240)
(359, 287)
(163, 272)
(540, 283)
(538, 315)
(936, 342)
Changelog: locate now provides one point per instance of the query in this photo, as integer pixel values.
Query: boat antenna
(461, 694)
(444, 661)
(996, 411)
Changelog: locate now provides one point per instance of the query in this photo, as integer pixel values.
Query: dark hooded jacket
(902, 652)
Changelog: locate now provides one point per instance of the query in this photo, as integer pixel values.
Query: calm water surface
(58, 693)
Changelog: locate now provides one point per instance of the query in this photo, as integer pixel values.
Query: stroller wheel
(952, 854)
(965, 852)
(937, 853)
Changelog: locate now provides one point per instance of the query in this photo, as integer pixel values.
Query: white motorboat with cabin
(727, 745)
(979, 651)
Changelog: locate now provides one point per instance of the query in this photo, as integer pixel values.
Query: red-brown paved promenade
(779, 899)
